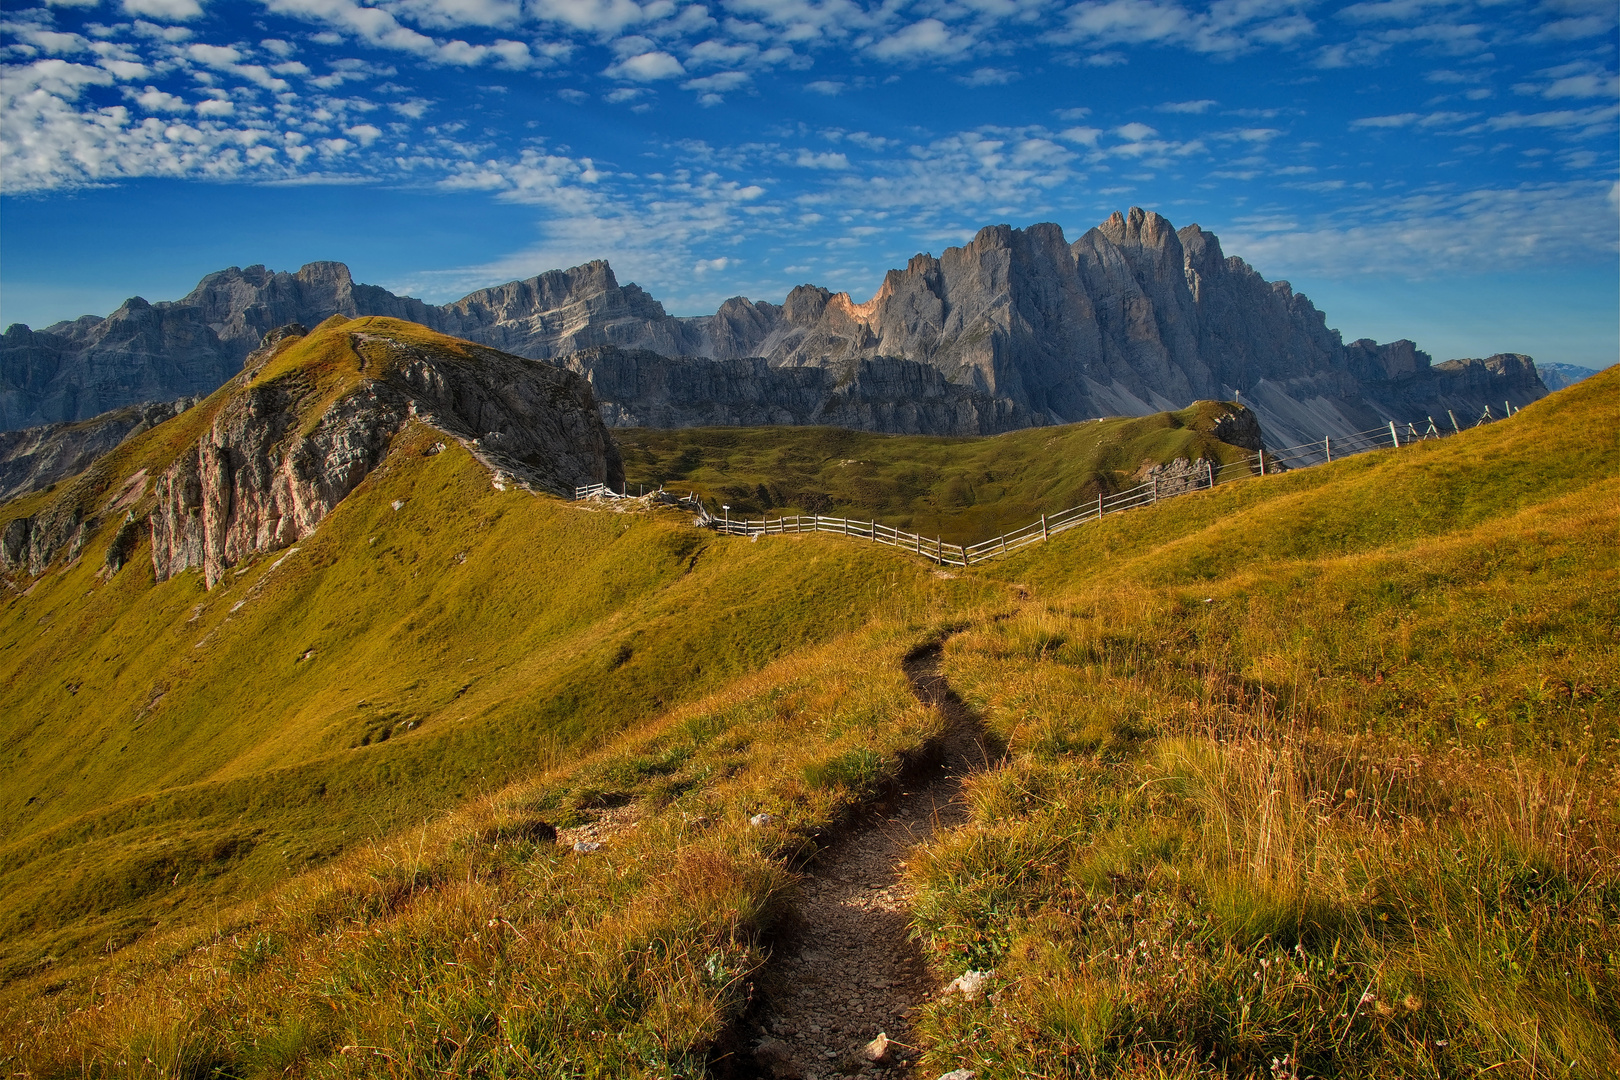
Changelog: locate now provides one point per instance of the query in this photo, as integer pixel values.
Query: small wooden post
(1209, 471)
(1044, 535)
(1394, 435)
(1327, 448)
(1507, 408)
(1155, 489)
(1099, 506)
(939, 550)
(1262, 461)
(1454, 426)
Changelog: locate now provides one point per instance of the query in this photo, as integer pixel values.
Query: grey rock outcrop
(35, 458)
(266, 473)
(1023, 326)
(639, 388)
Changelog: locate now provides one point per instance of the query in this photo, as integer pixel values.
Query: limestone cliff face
(267, 470)
(640, 388)
(1133, 317)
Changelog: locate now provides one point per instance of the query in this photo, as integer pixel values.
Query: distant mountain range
(1558, 376)
(1018, 328)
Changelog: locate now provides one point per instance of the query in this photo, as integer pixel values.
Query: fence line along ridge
(1266, 462)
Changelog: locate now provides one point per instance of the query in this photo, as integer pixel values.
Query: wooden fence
(945, 554)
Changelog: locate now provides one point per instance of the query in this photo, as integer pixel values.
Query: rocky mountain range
(1020, 327)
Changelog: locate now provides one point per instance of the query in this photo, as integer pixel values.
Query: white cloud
(172, 10)
(718, 54)
(154, 100)
(1135, 131)
(216, 107)
(1592, 120)
(1225, 28)
(1203, 105)
(718, 83)
(170, 34)
(1394, 120)
(647, 67)
(623, 94)
(826, 87)
(927, 38)
(808, 160)
(1580, 79)
(988, 76)
(592, 16)
(1434, 232)
(281, 48)
(365, 134)
(447, 14)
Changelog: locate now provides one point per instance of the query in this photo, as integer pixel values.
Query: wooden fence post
(1155, 489)
(1394, 435)
(1209, 471)
(1044, 535)
(1454, 426)
(1262, 461)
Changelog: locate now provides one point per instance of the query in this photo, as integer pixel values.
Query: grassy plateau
(1309, 775)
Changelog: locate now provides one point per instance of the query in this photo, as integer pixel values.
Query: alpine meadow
(342, 740)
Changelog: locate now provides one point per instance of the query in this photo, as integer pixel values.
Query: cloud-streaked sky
(1444, 170)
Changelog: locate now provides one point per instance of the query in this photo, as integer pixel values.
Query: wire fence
(1200, 475)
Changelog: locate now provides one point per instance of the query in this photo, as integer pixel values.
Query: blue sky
(1444, 170)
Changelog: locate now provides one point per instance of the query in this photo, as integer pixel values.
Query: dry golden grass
(1340, 809)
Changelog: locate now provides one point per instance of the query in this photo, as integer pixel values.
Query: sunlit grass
(1317, 801)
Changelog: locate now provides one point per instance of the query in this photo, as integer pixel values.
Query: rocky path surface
(848, 972)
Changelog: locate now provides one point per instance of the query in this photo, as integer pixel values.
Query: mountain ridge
(1133, 317)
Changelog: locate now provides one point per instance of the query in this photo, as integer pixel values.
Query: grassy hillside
(1307, 775)
(962, 490)
(1317, 775)
(171, 748)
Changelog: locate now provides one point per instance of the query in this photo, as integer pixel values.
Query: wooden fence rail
(937, 550)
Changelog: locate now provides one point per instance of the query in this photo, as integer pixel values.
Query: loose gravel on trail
(847, 970)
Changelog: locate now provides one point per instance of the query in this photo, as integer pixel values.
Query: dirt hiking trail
(846, 969)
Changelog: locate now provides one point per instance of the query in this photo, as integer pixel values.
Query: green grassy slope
(1307, 775)
(172, 748)
(962, 490)
(1314, 774)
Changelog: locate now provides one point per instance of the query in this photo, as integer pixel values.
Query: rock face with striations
(267, 469)
(639, 388)
(1023, 326)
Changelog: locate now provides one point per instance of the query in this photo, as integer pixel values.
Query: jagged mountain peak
(1132, 317)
